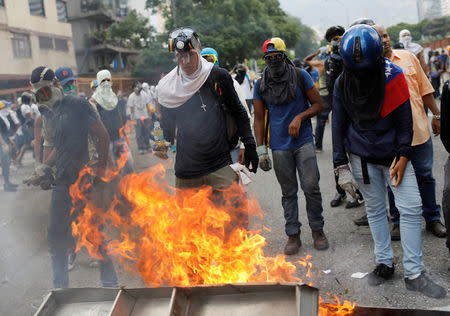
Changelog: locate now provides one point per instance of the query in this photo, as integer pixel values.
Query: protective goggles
(275, 56)
(211, 58)
(182, 39)
(43, 94)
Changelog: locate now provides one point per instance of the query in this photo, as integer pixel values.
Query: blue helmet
(210, 52)
(361, 46)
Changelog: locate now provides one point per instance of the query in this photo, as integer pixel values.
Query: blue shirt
(281, 116)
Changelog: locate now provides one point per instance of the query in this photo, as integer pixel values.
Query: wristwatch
(437, 116)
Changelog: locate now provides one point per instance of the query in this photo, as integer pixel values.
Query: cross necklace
(201, 99)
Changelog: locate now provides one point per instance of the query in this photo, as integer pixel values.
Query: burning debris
(174, 237)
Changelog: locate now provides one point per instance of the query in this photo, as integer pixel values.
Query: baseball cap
(64, 75)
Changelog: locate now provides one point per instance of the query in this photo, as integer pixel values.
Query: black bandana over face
(279, 82)
(362, 93)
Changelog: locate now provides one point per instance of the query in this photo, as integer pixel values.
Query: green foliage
(133, 27)
(307, 42)
(235, 28)
(415, 29)
(423, 31)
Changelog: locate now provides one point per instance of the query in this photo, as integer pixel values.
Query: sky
(320, 14)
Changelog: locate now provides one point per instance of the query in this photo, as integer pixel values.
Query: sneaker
(354, 203)
(381, 273)
(141, 152)
(320, 240)
(426, 286)
(71, 261)
(362, 221)
(293, 244)
(338, 198)
(395, 232)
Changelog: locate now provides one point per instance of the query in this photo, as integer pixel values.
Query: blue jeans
(303, 160)
(322, 118)
(446, 199)
(408, 200)
(60, 241)
(421, 157)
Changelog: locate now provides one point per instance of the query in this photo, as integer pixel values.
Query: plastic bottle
(159, 137)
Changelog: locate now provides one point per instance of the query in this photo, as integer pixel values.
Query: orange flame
(180, 237)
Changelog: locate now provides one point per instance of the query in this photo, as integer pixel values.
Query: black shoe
(362, 221)
(354, 203)
(381, 273)
(9, 188)
(338, 198)
(424, 285)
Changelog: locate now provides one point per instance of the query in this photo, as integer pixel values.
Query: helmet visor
(186, 31)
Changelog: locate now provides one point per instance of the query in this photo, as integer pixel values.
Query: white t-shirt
(25, 109)
(35, 111)
(139, 103)
(246, 88)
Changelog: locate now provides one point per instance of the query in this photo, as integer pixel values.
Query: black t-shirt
(111, 120)
(71, 120)
(202, 145)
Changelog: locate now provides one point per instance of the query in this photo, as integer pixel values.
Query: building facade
(432, 9)
(94, 47)
(32, 33)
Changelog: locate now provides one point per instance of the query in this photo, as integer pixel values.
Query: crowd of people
(378, 96)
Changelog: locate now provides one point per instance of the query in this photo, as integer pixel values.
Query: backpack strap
(300, 82)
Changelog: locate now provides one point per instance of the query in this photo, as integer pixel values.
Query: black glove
(251, 156)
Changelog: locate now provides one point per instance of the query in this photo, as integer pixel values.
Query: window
(61, 10)
(21, 45)
(45, 42)
(61, 44)
(36, 7)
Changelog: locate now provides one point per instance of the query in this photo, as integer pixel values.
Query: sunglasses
(271, 57)
(43, 94)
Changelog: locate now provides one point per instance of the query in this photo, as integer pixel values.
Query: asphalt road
(25, 271)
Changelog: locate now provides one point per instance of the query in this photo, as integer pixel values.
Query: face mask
(406, 40)
(334, 46)
(71, 89)
(277, 67)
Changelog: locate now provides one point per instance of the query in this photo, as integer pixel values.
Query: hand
(396, 172)
(251, 157)
(294, 127)
(346, 180)
(264, 160)
(436, 126)
(241, 158)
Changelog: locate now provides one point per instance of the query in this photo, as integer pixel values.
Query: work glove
(42, 176)
(264, 160)
(251, 157)
(346, 180)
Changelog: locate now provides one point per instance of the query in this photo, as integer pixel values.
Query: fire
(179, 237)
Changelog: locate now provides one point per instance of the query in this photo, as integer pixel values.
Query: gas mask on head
(49, 95)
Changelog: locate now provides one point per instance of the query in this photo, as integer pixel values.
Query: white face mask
(406, 40)
(105, 96)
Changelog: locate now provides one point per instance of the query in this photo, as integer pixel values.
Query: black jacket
(445, 115)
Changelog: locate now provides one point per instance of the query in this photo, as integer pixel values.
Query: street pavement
(25, 271)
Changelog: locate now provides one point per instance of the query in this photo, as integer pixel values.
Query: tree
(415, 29)
(235, 28)
(439, 27)
(307, 41)
(134, 27)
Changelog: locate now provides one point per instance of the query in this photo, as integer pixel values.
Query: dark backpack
(230, 120)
